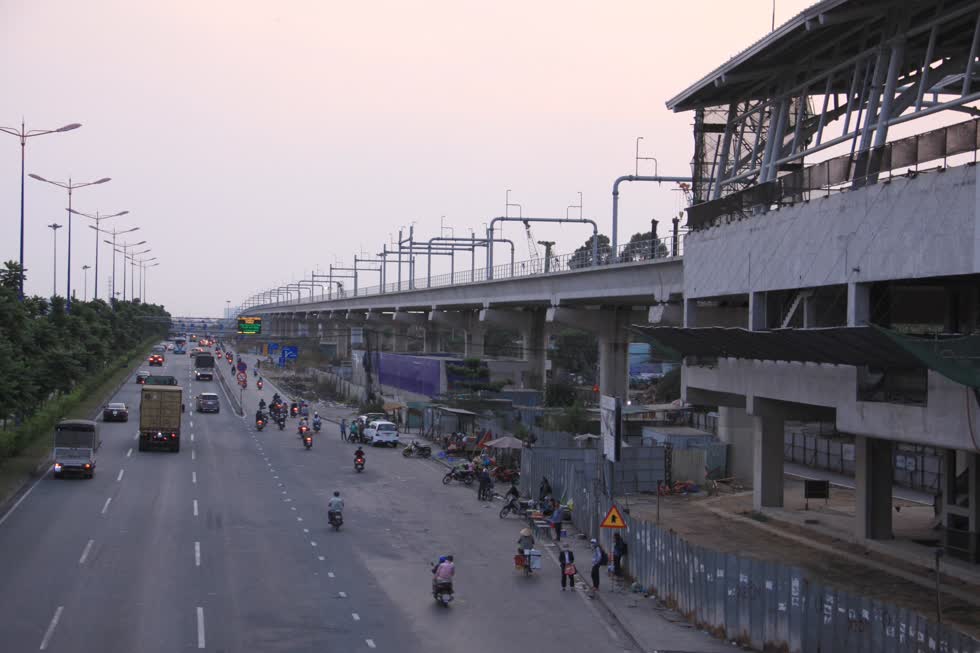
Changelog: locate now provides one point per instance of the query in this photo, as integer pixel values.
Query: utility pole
(54, 227)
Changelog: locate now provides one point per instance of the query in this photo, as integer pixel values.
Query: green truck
(161, 407)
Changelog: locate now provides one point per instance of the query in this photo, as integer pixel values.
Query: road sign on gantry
(613, 519)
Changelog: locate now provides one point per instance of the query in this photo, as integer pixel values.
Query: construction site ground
(820, 540)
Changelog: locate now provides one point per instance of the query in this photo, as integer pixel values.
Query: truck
(161, 407)
(204, 366)
(75, 444)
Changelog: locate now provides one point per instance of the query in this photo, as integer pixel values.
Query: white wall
(908, 228)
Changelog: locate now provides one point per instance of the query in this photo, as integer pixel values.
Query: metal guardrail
(633, 252)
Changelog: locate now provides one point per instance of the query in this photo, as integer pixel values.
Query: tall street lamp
(69, 186)
(98, 217)
(125, 251)
(54, 227)
(132, 273)
(85, 269)
(141, 262)
(23, 134)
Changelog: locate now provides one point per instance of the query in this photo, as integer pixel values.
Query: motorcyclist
(513, 494)
(261, 405)
(335, 505)
(317, 422)
(259, 415)
(303, 423)
(276, 398)
(359, 453)
(444, 571)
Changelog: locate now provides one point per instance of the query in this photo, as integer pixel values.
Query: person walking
(619, 551)
(599, 559)
(567, 561)
(343, 429)
(556, 519)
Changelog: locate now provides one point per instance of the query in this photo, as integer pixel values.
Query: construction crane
(531, 243)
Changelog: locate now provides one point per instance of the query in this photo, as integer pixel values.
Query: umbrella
(525, 532)
(506, 442)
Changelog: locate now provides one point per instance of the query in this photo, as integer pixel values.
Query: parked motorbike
(442, 592)
(335, 519)
(465, 476)
(415, 448)
(521, 508)
(359, 463)
(506, 474)
(308, 442)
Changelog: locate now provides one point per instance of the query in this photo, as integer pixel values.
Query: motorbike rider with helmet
(335, 505)
(317, 422)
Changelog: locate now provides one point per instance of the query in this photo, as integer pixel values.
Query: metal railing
(665, 248)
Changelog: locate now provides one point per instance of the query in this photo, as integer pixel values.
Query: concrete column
(735, 427)
(690, 313)
(810, 311)
(399, 339)
(873, 467)
(431, 342)
(858, 304)
(535, 349)
(342, 333)
(757, 311)
(474, 336)
(767, 462)
(614, 352)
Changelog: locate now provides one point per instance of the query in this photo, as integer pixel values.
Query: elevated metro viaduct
(812, 212)
(605, 300)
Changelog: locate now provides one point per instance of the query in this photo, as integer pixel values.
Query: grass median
(35, 434)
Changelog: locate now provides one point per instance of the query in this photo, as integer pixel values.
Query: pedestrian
(599, 559)
(545, 489)
(567, 561)
(556, 519)
(343, 429)
(353, 431)
(619, 550)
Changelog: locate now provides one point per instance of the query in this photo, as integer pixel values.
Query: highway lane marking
(284, 492)
(193, 477)
(306, 530)
(192, 437)
(129, 453)
(51, 626)
(106, 506)
(136, 437)
(200, 627)
(21, 499)
(370, 643)
(299, 519)
(197, 554)
(193, 455)
(330, 574)
(321, 558)
(195, 507)
(121, 472)
(192, 423)
(85, 552)
(342, 595)
(312, 543)
(356, 616)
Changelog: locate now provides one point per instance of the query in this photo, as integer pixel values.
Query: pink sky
(253, 141)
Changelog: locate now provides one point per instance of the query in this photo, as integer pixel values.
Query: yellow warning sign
(614, 519)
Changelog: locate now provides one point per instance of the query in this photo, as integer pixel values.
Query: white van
(382, 432)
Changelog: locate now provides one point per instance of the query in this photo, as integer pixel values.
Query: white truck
(75, 444)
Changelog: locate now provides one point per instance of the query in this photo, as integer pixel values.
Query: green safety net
(955, 357)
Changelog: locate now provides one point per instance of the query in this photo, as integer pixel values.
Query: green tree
(11, 274)
(582, 257)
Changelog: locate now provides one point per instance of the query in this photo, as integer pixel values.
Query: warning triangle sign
(614, 519)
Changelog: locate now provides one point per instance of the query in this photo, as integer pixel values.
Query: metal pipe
(595, 235)
(615, 193)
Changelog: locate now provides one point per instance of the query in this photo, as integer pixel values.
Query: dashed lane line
(193, 455)
(370, 643)
(129, 453)
(197, 554)
(51, 626)
(195, 507)
(356, 616)
(193, 477)
(121, 472)
(85, 552)
(106, 506)
(200, 627)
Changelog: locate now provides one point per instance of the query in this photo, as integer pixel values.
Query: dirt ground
(768, 537)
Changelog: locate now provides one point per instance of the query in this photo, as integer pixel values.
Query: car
(195, 350)
(156, 359)
(382, 432)
(115, 412)
(170, 346)
(159, 349)
(141, 376)
(207, 402)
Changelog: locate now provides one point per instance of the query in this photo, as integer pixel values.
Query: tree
(644, 246)
(11, 275)
(582, 257)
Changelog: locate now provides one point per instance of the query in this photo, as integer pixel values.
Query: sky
(253, 142)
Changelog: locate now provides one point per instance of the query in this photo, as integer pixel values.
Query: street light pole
(132, 271)
(54, 227)
(98, 218)
(124, 252)
(23, 134)
(85, 269)
(69, 186)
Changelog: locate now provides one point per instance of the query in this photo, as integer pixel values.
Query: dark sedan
(115, 412)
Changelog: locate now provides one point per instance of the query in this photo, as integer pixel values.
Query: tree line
(46, 351)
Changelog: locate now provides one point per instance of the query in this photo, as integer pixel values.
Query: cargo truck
(75, 444)
(160, 411)
(204, 366)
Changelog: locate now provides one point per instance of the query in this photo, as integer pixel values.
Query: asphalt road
(225, 547)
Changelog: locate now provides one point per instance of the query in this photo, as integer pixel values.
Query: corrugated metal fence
(763, 604)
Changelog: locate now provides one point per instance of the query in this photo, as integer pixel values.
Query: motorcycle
(308, 442)
(294, 410)
(303, 430)
(335, 519)
(260, 384)
(359, 464)
(316, 425)
(442, 592)
(521, 508)
(506, 474)
(415, 448)
(465, 476)
(485, 493)
(281, 422)
(260, 424)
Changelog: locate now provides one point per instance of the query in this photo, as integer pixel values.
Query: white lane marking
(197, 554)
(356, 616)
(299, 519)
(193, 455)
(284, 492)
(306, 530)
(321, 558)
(312, 543)
(85, 552)
(195, 507)
(129, 453)
(121, 472)
(370, 643)
(136, 437)
(51, 626)
(21, 499)
(192, 437)
(193, 477)
(342, 595)
(192, 423)
(200, 627)
(106, 506)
